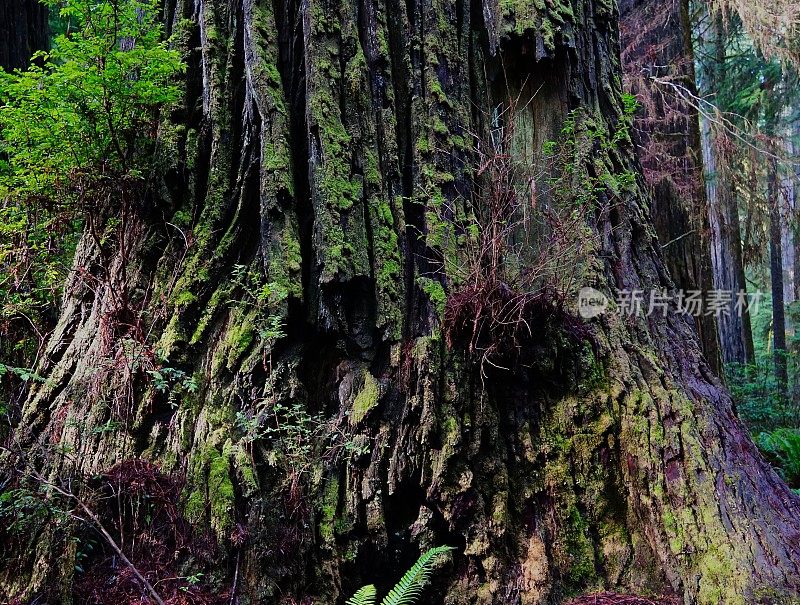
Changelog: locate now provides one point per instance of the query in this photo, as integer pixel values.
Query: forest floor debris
(613, 598)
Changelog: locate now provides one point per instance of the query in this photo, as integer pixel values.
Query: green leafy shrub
(174, 382)
(22, 509)
(89, 108)
(409, 589)
(298, 440)
(78, 141)
(782, 448)
(757, 396)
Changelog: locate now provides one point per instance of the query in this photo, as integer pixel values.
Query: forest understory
(338, 302)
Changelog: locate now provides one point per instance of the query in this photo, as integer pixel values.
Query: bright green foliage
(90, 106)
(77, 129)
(782, 448)
(409, 589)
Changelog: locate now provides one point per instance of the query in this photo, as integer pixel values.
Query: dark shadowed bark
(313, 140)
(23, 31)
(658, 62)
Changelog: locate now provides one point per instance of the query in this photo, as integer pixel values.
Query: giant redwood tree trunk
(313, 136)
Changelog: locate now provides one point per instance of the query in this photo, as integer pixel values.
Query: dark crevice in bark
(292, 68)
(23, 31)
(402, 53)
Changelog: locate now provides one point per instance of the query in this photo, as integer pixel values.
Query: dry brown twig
(515, 251)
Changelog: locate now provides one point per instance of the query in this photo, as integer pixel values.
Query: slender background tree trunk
(794, 224)
(776, 277)
(774, 200)
(735, 333)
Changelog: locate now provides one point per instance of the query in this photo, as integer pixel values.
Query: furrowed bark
(313, 136)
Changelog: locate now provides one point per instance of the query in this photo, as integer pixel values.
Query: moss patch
(221, 496)
(366, 399)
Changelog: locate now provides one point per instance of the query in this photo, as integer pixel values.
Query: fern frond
(410, 586)
(364, 596)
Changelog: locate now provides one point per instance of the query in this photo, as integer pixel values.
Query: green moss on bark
(366, 399)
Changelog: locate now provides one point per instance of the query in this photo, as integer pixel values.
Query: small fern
(782, 448)
(408, 590)
(365, 596)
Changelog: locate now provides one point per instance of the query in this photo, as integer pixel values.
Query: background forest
(118, 115)
(722, 82)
